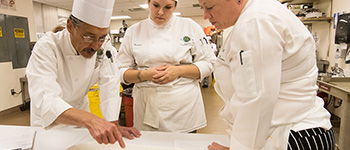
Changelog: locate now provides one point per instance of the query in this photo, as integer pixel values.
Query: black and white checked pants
(311, 139)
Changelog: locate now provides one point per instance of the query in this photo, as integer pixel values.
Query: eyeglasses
(90, 39)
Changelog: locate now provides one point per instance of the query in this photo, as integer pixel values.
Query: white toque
(94, 12)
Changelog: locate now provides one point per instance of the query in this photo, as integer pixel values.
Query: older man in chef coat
(64, 66)
(266, 74)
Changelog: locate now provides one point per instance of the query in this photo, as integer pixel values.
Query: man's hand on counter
(101, 130)
(128, 132)
(217, 146)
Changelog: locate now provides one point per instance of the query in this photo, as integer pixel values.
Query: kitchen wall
(10, 77)
(326, 31)
(321, 28)
(48, 17)
(338, 6)
(116, 24)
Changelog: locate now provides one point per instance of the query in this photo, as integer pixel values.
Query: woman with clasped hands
(166, 56)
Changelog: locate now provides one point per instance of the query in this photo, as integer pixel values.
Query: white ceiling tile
(121, 7)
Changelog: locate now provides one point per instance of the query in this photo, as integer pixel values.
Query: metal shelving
(311, 20)
(296, 2)
(307, 20)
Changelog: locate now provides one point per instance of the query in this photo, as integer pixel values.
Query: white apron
(176, 106)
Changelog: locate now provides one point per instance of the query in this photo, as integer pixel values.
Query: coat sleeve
(256, 75)
(125, 58)
(45, 92)
(203, 57)
(109, 86)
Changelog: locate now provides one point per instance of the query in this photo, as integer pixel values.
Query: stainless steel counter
(25, 93)
(339, 106)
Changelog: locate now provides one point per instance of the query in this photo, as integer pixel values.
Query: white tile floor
(212, 102)
(20, 118)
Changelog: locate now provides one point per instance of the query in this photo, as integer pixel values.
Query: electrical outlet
(13, 92)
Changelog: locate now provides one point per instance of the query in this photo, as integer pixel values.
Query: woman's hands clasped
(165, 74)
(161, 74)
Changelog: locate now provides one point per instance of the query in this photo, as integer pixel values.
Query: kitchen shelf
(311, 20)
(295, 2)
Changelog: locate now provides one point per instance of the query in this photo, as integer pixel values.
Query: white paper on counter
(17, 138)
(96, 146)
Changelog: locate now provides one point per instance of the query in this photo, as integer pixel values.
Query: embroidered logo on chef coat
(98, 57)
(186, 41)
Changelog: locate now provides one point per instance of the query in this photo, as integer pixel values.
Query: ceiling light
(144, 5)
(120, 17)
(176, 13)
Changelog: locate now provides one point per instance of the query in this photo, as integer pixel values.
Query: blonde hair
(58, 28)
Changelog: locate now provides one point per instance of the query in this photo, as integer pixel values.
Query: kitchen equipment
(342, 36)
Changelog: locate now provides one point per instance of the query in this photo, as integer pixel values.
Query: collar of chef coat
(74, 51)
(249, 3)
(167, 25)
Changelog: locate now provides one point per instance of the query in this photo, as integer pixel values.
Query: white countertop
(65, 137)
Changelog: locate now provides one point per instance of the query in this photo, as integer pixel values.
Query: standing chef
(266, 74)
(166, 56)
(63, 67)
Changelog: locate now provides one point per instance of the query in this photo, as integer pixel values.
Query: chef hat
(94, 12)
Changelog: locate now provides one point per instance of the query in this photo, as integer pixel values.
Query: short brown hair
(174, 0)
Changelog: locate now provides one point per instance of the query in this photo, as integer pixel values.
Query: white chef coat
(213, 48)
(59, 79)
(266, 74)
(176, 106)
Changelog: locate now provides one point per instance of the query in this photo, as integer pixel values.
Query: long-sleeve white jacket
(59, 79)
(178, 105)
(266, 74)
